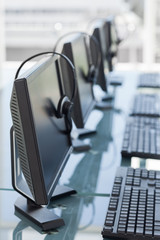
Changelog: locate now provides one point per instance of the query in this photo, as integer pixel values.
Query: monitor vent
(20, 140)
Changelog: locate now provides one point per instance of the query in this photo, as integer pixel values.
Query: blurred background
(27, 27)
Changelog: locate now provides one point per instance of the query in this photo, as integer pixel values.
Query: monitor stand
(80, 145)
(82, 132)
(104, 105)
(62, 191)
(102, 98)
(43, 217)
(108, 97)
(115, 80)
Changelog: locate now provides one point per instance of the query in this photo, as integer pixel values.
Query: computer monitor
(76, 50)
(100, 30)
(112, 41)
(101, 78)
(84, 52)
(40, 142)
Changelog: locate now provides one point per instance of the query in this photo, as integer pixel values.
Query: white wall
(2, 38)
(90, 4)
(149, 31)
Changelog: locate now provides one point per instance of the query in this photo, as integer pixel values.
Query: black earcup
(64, 107)
(91, 73)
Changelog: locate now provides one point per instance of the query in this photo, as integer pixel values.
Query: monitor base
(116, 81)
(43, 217)
(107, 97)
(62, 191)
(103, 105)
(80, 146)
(83, 132)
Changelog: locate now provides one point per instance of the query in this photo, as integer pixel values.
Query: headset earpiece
(91, 73)
(64, 107)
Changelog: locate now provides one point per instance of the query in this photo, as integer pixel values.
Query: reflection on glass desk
(83, 215)
(90, 173)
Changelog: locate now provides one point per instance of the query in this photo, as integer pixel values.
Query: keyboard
(149, 80)
(142, 138)
(146, 105)
(134, 206)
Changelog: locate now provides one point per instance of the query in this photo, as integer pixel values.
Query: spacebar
(157, 212)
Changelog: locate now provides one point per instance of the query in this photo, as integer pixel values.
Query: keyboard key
(158, 175)
(157, 228)
(157, 213)
(151, 183)
(148, 233)
(109, 223)
(156, 233)
(130, 229)
(121, 229)
(118, 180)
(108, 229)
(112, 207)
(139, 230)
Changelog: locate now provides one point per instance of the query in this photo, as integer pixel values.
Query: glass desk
(90, 173)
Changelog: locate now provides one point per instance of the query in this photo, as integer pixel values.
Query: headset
(93, 68)
(65, 105)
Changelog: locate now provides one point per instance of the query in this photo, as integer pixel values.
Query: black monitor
(40, 142)
(75, 46)
(112, 40)
(101, 78)
(101, 30)
(76, 50)
(83, 50)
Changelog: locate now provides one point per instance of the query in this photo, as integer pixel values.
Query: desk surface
(90, 173)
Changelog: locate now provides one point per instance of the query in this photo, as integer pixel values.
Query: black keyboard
(146, 105)
(134, 207)
(142, 138)
(149, 80)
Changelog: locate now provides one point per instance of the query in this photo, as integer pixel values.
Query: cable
(61, 55)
